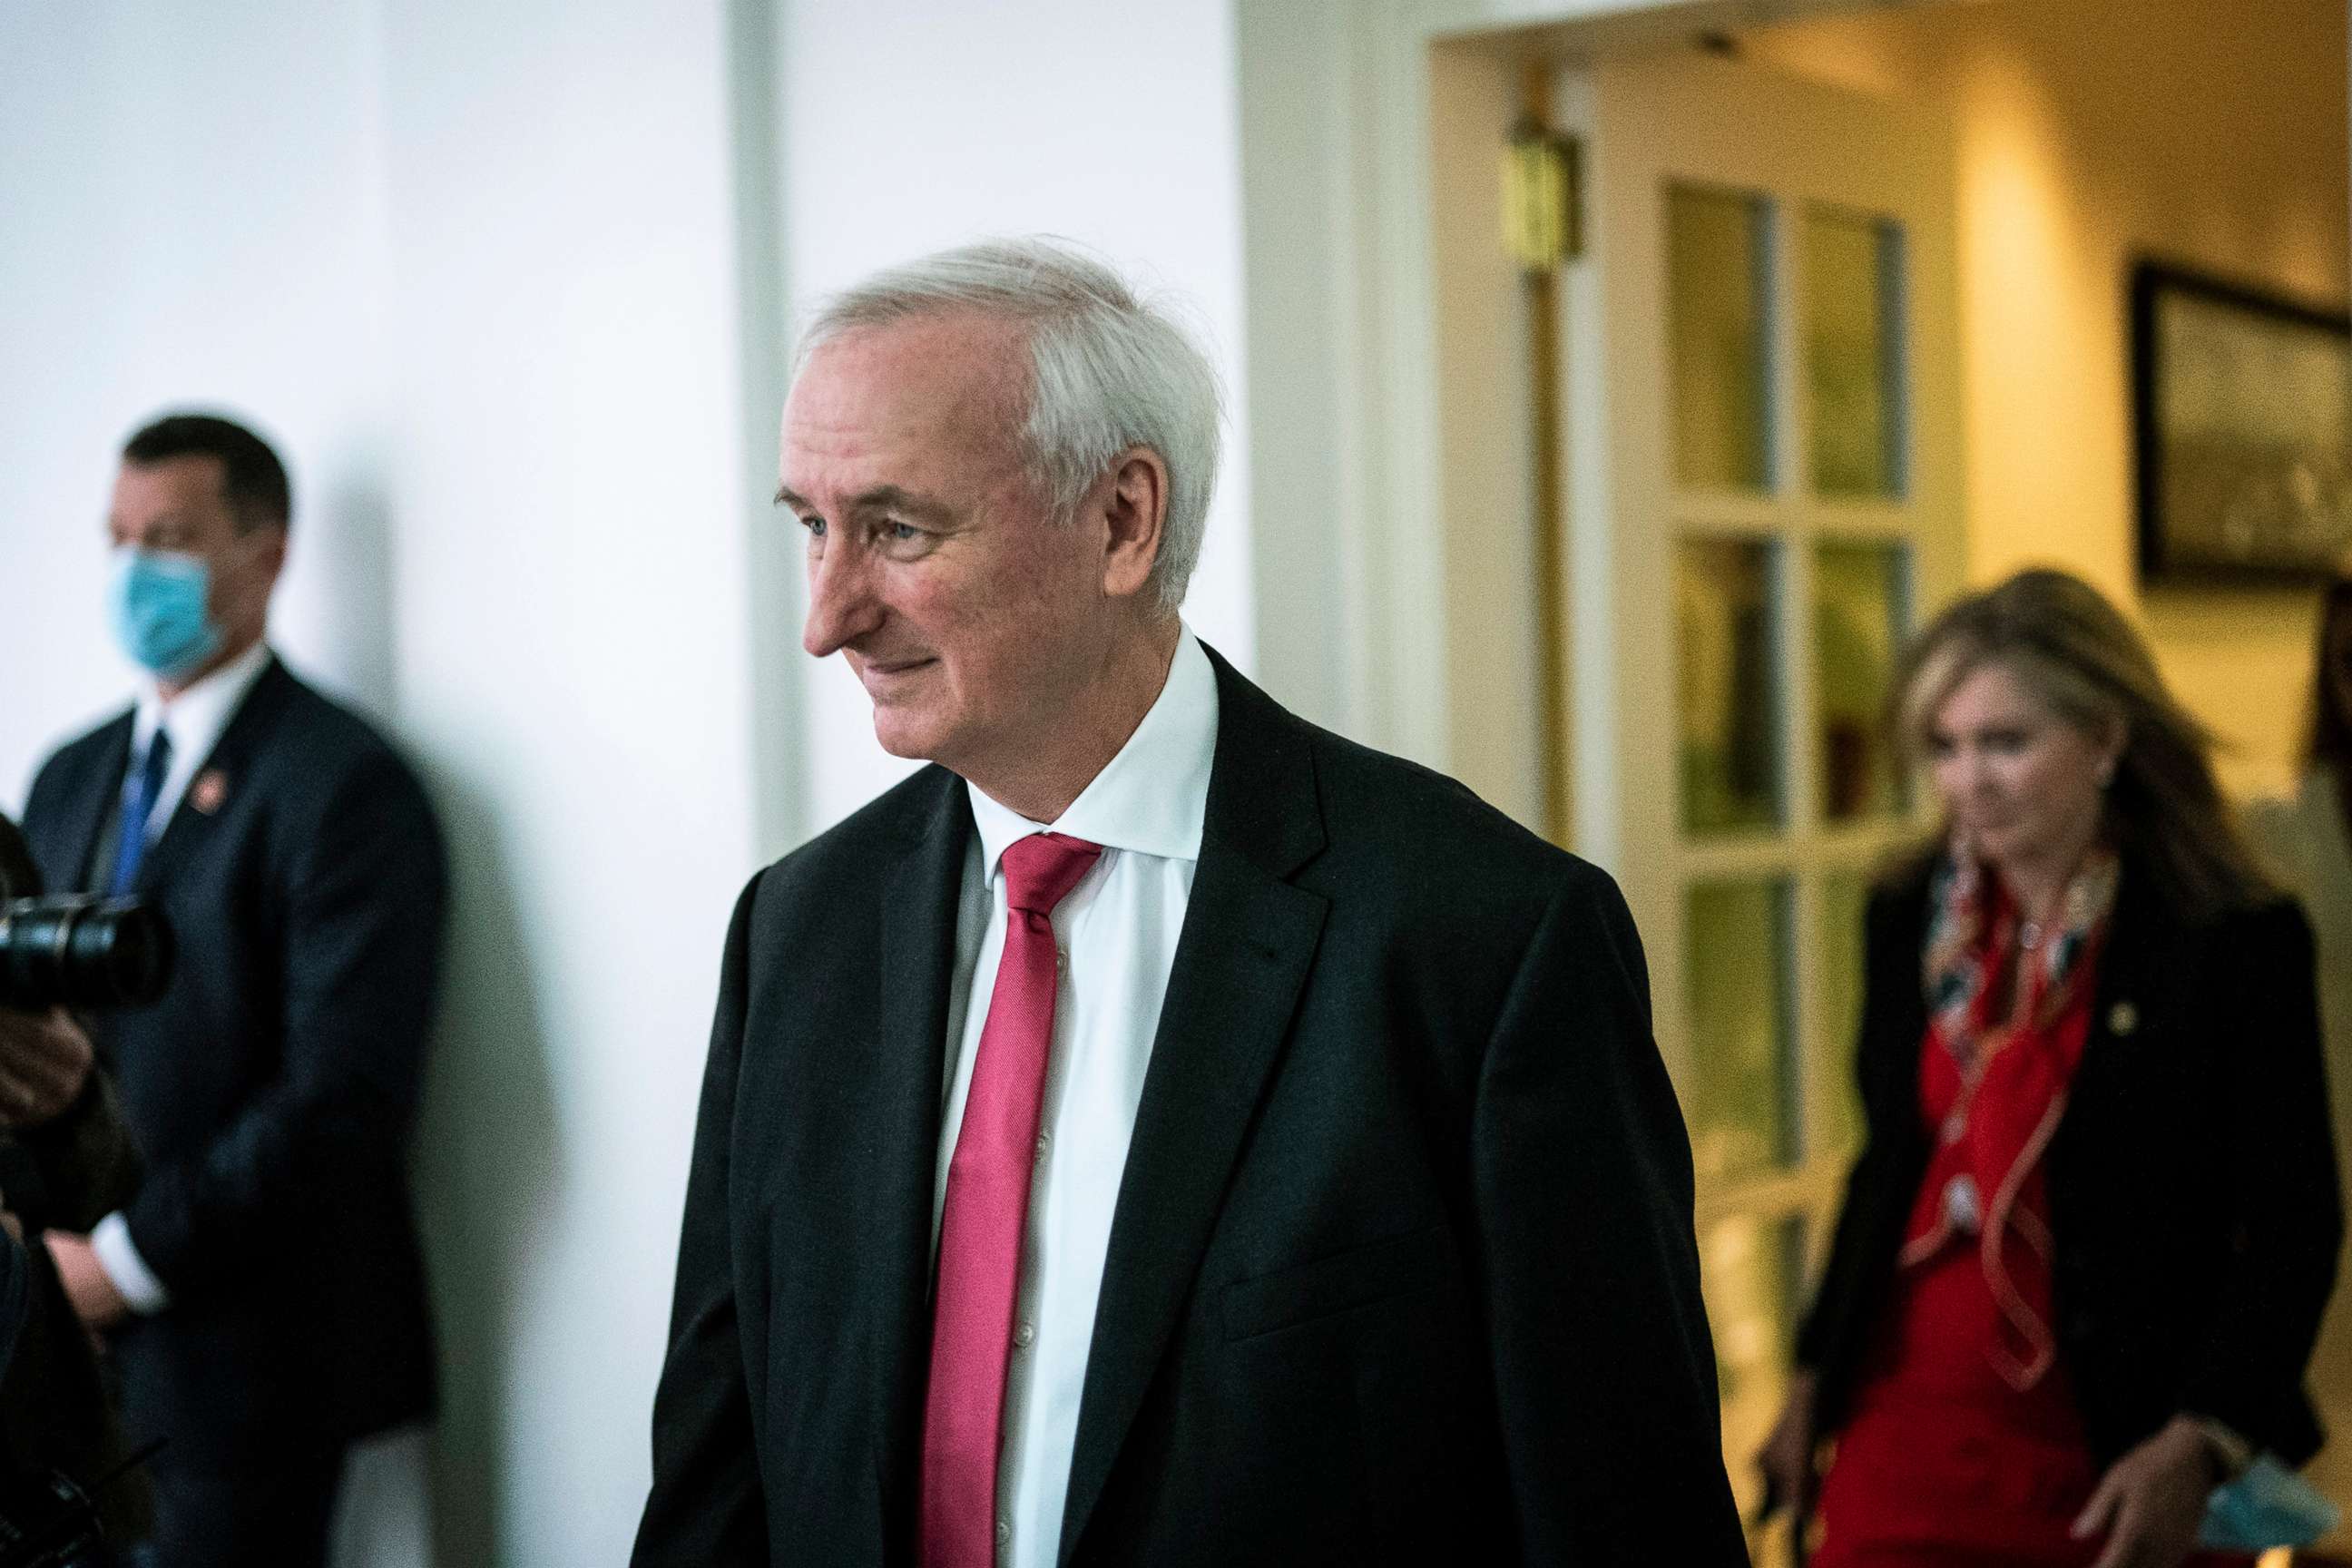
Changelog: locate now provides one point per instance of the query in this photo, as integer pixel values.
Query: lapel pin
(2122, 1018)
(209, 791)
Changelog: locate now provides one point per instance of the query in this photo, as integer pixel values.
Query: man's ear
(268, 555)
(1133, 502)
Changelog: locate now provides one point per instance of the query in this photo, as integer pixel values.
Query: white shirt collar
(1150, 799)
(195, 717)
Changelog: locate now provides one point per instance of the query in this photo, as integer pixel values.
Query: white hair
(1108, 373)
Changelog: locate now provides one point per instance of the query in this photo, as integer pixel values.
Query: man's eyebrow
(881, 498)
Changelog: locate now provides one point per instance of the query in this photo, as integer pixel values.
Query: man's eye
(816, 526)
(901, 532)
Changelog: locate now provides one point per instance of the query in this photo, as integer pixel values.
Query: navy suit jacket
(273, 1089)
(1401, 1269)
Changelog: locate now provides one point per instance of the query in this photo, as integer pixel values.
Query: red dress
(1963, 1446)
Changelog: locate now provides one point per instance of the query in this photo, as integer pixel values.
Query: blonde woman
(2084, 1250)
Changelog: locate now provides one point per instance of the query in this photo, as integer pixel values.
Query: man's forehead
(196, 481)
(945, 365)
(905, 389)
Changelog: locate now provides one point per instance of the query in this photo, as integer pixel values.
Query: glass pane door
(1793, 573)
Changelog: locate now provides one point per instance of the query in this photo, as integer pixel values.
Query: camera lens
(82, 953)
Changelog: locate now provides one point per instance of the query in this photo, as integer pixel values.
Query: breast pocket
(1339, 1283)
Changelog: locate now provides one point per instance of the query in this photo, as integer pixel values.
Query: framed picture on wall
(2242, 416)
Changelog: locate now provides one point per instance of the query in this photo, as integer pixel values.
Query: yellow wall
(2210, 132)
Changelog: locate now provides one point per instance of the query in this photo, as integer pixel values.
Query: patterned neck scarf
(1997, 1086)
(1974, 937)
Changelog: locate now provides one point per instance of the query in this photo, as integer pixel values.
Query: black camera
(86, 954)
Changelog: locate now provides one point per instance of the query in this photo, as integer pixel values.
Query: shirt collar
(195, 717)
(1150, 799)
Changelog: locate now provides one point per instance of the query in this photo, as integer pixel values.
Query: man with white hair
(1161, 1131)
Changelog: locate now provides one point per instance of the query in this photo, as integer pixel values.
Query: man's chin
(903, 734)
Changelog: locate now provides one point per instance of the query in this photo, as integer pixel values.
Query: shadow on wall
(352, 565)
(333, 618)
(486, 1164)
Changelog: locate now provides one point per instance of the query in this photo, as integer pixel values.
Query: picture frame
(2242, 426)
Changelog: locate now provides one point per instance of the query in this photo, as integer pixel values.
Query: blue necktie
(139, 792)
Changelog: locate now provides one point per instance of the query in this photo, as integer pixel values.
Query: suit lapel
(920, 897)
(95, 798)
(225, 767)
(1248, 940)
(2131, 978)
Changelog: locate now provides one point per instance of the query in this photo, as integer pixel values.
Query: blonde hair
(2057, 636)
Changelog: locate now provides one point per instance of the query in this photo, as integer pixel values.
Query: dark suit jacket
(15, 1297)
(2192, 1178)
(272, 1088)
(53, 1410)
(1401, 1266)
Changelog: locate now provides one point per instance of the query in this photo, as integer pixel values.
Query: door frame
(1386, 361)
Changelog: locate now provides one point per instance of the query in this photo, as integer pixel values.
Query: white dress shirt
(1117, 931)
(194, 719)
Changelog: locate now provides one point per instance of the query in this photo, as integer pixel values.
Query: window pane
(1844, 897)
(1742, 1088)
(1718, 279)
(1854, 360)
(1861, 605)
(1751, 1270)
(1728, 686)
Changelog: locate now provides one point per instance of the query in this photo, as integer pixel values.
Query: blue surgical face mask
(157, 601)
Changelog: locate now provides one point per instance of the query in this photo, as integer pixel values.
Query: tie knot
(1041, 869)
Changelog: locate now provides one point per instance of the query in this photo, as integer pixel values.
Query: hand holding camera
(45, 1061)
(58, 953)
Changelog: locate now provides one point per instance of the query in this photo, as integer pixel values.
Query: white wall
(511, 285)
(1298, 209)
(572, 620)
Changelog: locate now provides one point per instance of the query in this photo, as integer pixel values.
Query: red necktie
(987, 1208)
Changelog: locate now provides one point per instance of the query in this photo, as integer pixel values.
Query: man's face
(970, 614)
(178, 507)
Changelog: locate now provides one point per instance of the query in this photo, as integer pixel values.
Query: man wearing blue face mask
(262, 1296)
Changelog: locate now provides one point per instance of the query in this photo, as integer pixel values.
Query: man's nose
(842, 605)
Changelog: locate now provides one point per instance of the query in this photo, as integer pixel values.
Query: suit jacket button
(2122, 1018)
